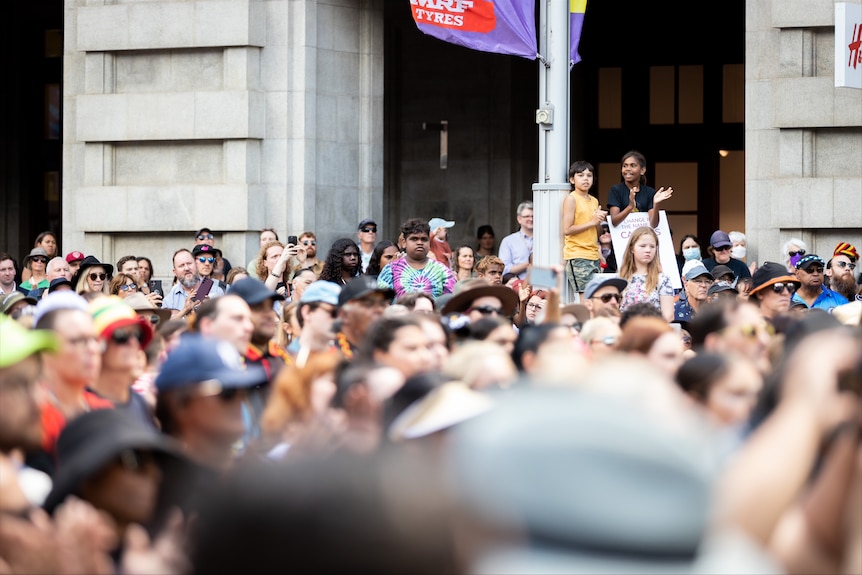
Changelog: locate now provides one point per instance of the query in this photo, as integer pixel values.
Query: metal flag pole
(552, 118)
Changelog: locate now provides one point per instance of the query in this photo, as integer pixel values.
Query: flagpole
(552, 117)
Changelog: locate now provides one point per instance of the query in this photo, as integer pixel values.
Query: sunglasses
(122, 336)
(722, 249)
(843, 265)
(608, 296)
(487, 310)
(753, 330)
(136, 460)
(202, 237)
(369, 230)
(214, 388)
(206, 260)
(129, 287)
(94, 276)
(799, 253)
(813, 270)
(607, 340)
(40, 259)
(781, 286)
(309, 243)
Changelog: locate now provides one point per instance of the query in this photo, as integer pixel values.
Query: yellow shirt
(584, 245)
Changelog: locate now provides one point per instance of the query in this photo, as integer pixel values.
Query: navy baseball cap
(253, 291)
(199, 359)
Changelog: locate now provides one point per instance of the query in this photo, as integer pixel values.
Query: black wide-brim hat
(87, 263)
(92, 440)
(461, 301)
(770, 273)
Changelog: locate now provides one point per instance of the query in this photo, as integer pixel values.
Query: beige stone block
(233, 114)
(792, 102)
(839, 153)
(241, 161)
(801, 13)
(101, 117)
(273, 68)
(148, 71)
(242, 68)
(848, 108)
(160, 117)
(277, 16)
(847, 210)
(162, 25)
(229, 23)
(277, 114)
(102, 28)
(274, 162)
(168, 163)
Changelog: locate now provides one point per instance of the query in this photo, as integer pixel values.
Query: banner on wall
(848, 45)
(667, 256)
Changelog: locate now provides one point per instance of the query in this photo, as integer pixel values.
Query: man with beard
(308, 242)
(181, 299)
(841, 270)
(812, 292)
(263, 351)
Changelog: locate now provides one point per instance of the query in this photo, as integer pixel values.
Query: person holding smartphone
(189, 290)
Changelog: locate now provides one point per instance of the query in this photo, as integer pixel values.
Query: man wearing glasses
(367, 236)
(181, 299)
(123, 334)
(206, 257)
(222, 265)
(812, 292)
(697, 283)
(308, 242)
(721, 245)
(603, 295)
(841, 271)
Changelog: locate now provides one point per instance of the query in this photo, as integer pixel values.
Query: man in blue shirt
(516, 249)
(697, 282)
(181, 300)
(812, 292)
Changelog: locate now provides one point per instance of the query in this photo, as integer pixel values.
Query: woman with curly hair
(384, 252)
(275, 266)
(123, 285)
(342, 262)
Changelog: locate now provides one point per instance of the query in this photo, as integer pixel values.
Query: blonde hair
(629, 266)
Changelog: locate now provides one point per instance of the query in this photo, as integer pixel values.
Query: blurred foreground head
(584, 480)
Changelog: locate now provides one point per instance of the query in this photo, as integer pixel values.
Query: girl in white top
(642, 269)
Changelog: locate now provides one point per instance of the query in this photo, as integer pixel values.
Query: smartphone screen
(292, 240)
(156, 287)
(542, 277)
(204, 289)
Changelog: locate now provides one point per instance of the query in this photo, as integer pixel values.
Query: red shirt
(53, 420)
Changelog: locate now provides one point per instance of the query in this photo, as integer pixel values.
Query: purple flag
(502, 26)
(576, 24)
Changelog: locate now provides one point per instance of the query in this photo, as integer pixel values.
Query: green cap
(17, 342)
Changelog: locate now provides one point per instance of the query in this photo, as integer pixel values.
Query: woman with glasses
(793, 250)
(93, 276)
(36, 263)
(46, 241)
(123, 285)
(535, 307)
(772, 289)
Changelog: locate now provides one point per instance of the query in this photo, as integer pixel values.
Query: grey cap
(601, 280)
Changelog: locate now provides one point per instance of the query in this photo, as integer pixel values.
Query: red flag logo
(463, 15)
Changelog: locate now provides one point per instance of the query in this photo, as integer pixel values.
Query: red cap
(74, 257)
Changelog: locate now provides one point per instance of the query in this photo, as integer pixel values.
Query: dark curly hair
(332, 270)
(374, 267)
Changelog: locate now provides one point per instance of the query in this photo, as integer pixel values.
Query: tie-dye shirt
(435, 278)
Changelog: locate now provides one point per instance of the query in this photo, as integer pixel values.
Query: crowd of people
(405, 406)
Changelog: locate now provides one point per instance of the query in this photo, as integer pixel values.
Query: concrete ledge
(792, 106)
(160, 25)
(165, 208)
(802, 13)
(176, 116)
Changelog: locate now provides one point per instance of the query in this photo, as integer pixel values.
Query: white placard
(620, 235)
(848, 45)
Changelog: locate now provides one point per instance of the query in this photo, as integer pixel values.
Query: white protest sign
(667, 256)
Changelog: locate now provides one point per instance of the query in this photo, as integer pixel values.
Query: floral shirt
(435, 278)
(636, 291)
